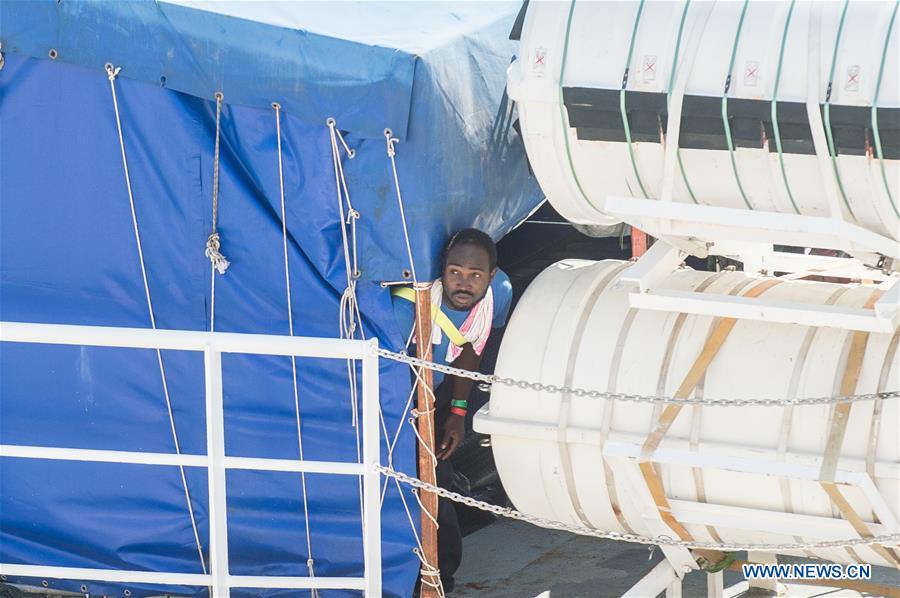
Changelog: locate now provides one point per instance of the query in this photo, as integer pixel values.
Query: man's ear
(493, 272)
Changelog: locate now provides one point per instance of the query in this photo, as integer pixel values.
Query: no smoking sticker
(539, 62)
(852, 84)
(751, 73)
(648, 68)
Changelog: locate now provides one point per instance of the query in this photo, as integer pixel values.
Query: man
(471, 297)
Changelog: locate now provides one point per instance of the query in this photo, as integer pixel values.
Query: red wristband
(458, 411)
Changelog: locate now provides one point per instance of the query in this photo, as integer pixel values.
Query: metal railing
(213, 344)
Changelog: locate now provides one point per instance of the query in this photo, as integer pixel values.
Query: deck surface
(513, 559)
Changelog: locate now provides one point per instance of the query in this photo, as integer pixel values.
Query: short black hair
(472, 236)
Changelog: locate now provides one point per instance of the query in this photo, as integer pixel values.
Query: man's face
(467, 275)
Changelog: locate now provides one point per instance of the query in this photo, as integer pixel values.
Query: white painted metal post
(715, 584)
(656, 581)
(215, 449)
(770, 584)
(372, 477)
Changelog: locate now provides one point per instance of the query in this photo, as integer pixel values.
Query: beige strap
(788, 414)
(612, 381)
(838, 429)
(565, 403)
(710, 349)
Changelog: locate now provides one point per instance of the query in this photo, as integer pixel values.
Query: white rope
(391, 442)
(429, 575)
(392, 153)
(310, 563)
(886, 539)
(350, 318)
(427, 572)
(213, 243)
(111, 73)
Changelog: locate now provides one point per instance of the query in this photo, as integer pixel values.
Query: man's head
(470, 262)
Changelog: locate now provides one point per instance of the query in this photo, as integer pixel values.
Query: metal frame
(213, 344)
(701, 224)
(651, 269)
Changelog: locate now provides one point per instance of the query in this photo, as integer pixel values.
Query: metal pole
(371, 477)
(215, 449)
(425, 424)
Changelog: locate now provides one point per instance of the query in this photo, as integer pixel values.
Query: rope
(624, 537)
(775, 129)
(213, 243)
(632, 398)
(875, 134)
(672, 72)
(349, 315)
(634, 30)
(827, 110)
(310, 563)
(111, 74)
(430, 575)
(725, 123)
(392, 153)
(562, 107)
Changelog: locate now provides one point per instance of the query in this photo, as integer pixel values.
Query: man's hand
(454, 432)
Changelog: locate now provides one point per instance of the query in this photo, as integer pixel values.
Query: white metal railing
(213, 344)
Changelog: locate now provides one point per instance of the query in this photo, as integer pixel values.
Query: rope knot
(112, 72)
(391, 140)
(215, 256)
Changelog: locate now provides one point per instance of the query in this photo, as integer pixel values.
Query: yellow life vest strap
(439, 317)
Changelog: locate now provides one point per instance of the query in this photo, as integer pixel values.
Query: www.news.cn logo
(806, 571)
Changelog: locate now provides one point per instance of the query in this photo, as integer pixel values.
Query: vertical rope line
(725, 123)
(349, 314)
(775, 128)
(287, 284)
(213, 243)
(672, 72)
(827, 110)
(427, 571)
(392, 152)
(112, 73)
(875, 134)
(216, 260)
(627, 127)
(215, 204)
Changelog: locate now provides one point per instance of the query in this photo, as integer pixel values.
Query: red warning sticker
(539, 62)
(852, 84)
(648, 68)
(751, 73)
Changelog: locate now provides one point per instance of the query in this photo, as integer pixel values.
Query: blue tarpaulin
(68, 255)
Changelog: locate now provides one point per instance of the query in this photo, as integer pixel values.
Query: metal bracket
(651, 269)
(714, 224)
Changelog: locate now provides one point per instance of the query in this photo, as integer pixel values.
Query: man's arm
(454, 428)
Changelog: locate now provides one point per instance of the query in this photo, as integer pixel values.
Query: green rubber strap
(775, 129)
(673, 70)
(827, 110)
(562, 108)
(875, 136)
(737, 39)
(723, 564)
(637, 20)
(460, 403)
